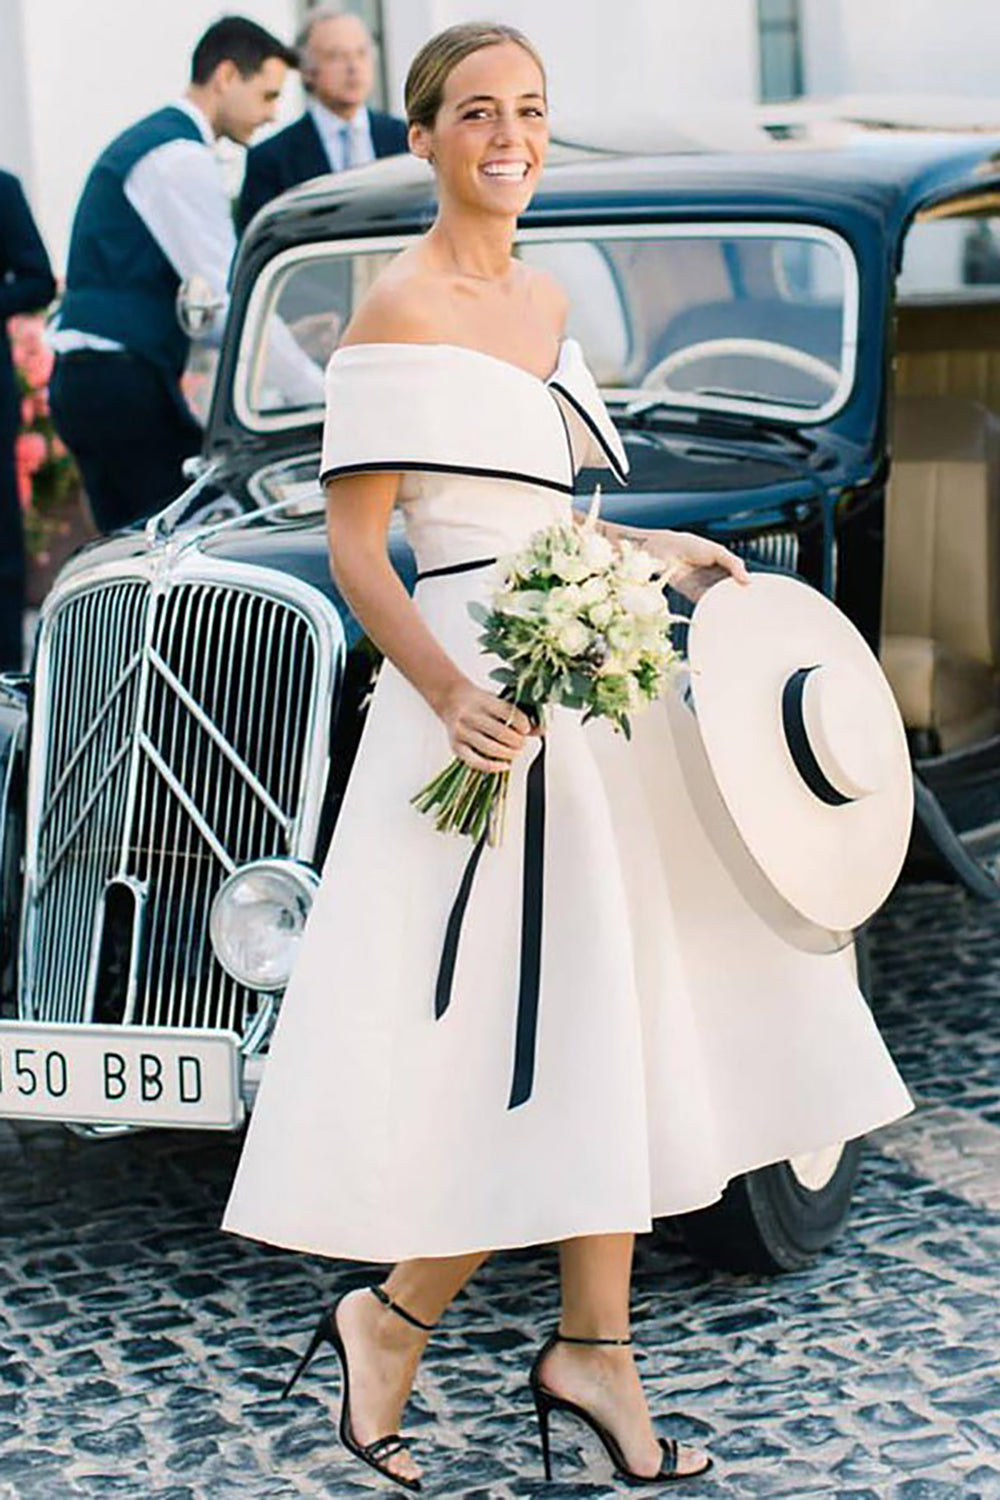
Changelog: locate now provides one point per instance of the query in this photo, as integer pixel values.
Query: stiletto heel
(314, 1344)
(380, 1448)
(547, 1401)
(542, 1408)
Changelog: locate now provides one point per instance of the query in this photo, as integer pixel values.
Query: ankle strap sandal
(546, 1402)
(378, 1453)
(408, 1317)
(575, 1338)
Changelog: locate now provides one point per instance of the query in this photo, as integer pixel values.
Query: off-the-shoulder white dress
(676, 1040)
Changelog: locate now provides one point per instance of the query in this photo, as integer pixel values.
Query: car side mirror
(198, 306)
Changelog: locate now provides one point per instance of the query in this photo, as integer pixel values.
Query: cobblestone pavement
(142, 1349)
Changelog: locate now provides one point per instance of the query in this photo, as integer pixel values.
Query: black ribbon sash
(532, 884)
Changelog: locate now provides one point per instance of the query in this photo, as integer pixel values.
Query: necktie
(345, 147)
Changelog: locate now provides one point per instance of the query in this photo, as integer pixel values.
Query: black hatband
(806, 764)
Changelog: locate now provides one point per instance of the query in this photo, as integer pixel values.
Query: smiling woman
(565, 1051)
(476, 138)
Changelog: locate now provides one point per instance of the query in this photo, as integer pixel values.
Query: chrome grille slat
(251, 815)
(97, 723)
(67, 937)
(775, 549)
(180, 731)
(220, 995)
(204, 612)
(54, 859)
(237, 761)
(184, 801)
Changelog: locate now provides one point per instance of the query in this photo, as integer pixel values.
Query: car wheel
(781, 1217)
(778, 1218)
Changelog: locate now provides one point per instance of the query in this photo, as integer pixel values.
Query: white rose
(621, 636)
(636, 566)
(593, 590)
(567, 566)
(573, 638)
(601, 614)
(523, 604)
(562, 603)
(642, 600)
(596, 550)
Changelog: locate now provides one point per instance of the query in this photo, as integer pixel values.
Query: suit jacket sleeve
(261, 182)
(26, 280)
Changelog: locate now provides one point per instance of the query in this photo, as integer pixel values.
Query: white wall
(902, 46)
(15, 138)
(644, 58)
(90, 69)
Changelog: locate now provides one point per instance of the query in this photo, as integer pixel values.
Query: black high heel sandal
(547, 1401)
(375, 1452)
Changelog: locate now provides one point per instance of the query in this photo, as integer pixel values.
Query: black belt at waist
(526, 1025)
(459, 567)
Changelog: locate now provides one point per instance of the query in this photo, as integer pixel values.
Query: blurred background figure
(337, 130)
(153, 213)
(26, 284)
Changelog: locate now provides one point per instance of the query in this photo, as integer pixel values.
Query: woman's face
(491, 133)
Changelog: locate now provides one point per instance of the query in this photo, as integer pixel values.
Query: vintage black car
(800, 345)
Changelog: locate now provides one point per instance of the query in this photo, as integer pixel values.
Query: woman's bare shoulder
(550, 294)
(398, 307)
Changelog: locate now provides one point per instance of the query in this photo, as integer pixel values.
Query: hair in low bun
(425, 80)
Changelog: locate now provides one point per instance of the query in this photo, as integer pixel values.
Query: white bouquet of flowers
(577, 620)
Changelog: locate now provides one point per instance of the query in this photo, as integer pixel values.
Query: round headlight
(257, 918)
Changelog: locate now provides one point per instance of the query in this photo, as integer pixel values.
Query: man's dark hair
(237, 40)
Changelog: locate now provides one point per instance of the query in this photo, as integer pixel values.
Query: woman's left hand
(694, 562)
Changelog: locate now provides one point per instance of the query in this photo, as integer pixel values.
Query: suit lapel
(381, 127)
(311, 157)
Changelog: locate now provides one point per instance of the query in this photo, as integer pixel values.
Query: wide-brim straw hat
(807, 750)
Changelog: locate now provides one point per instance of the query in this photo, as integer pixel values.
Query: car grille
(181, 738)
(771, 549)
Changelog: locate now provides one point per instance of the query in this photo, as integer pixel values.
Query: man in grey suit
(337, 130)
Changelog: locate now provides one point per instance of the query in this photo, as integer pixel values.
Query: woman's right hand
(484, 730)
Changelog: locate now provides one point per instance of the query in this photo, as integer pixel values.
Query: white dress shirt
(179, 192)
(347, 143)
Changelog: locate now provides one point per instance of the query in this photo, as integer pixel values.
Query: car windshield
(745, 317)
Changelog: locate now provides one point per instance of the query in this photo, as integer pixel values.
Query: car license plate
(120, 1075)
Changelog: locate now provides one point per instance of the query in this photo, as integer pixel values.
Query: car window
(951, 258)
(745, 317)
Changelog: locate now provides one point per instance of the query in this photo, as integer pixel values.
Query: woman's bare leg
(383, 1350)
(596, 1273)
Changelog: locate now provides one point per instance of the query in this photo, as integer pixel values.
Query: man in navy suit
(26, 285)
(338, 130)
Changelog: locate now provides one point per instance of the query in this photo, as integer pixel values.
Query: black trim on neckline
(569, 444)
(390, 466)
(620, 474)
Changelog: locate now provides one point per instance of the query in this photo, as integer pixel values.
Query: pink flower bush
(45, 471)
(33, 358)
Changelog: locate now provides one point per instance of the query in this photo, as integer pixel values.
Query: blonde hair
(425, 80)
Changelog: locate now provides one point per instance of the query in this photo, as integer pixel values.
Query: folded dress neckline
(442, 344)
